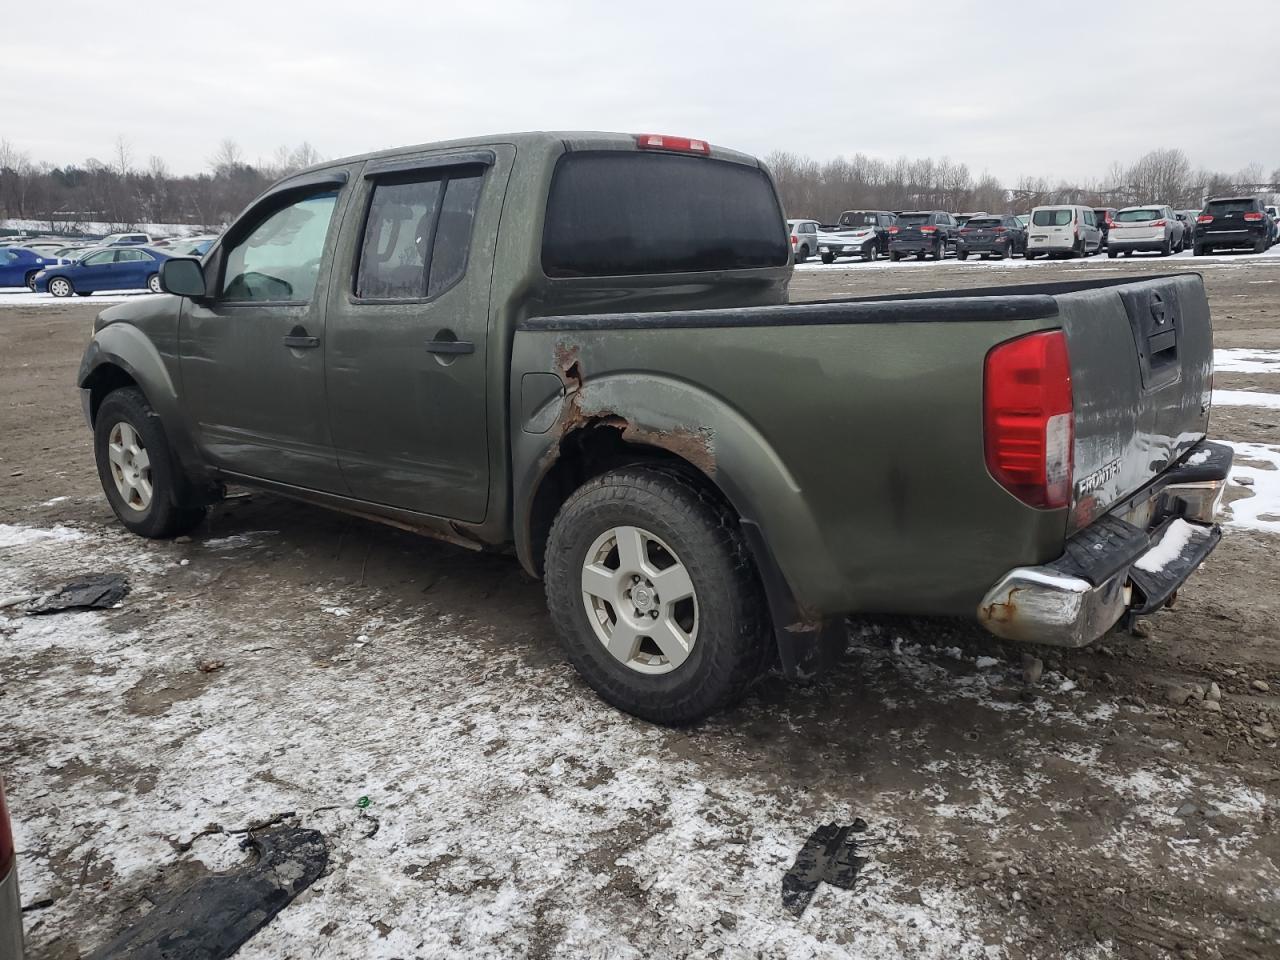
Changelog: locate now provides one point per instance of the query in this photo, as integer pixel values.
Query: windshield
(984, 223)
(1052, 218)
(914, 219)
(858, 218)
(1137, 216)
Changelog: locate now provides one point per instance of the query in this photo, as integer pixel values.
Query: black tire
(1260, 246)
(940, 251)
(894, 256)
(964, 255)
(84, 293)
(869, 252)
(828, 258)
(153, 282)
(1197, 250)
(29, 281)
(1111, 254)
(732, 647)
(1166, 248)
(162, 517)
(60, 287)
(1028, 255)
(1128, 253)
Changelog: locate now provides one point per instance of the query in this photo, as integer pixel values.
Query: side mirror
(183, 277)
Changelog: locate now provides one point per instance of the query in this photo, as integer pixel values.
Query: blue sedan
(20, 266)
(114, 268)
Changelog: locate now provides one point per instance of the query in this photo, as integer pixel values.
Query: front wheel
(61, 287)
(136, 468)
(654, 595)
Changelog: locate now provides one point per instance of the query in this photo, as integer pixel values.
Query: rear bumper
(10, 917)
(914, 246)
(1051, 245)
(983, 246)
(1137, 243)
(1233, 238)
(1130, 561)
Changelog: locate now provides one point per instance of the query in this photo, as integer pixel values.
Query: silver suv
(1154, 227)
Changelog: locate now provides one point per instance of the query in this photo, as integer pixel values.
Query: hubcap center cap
(642, 597)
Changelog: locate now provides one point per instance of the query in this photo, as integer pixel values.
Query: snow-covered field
(102, 228)
(22, 297)
(1185, 259)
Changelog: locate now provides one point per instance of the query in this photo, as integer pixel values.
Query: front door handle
(454, 347)
(301, 342)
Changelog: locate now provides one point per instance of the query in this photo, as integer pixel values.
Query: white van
(1068, 229)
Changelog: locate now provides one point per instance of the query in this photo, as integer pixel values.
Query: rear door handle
(300, 342)
(454, 347)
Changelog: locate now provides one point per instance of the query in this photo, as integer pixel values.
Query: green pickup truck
(579, 347)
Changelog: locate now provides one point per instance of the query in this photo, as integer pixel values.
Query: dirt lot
(510, 813)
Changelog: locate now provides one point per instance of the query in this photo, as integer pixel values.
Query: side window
(98, 259)
(418, 234)
(810, 228)
(279, 259)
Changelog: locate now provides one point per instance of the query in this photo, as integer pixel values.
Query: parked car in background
(924, 233)
(125, 240)
(859, 233)
(1233, 222)
(110, 268)
(1274, 213)
(74, 252)
(963, 218)
(1067, 229)
(199, 246)
(20, 266)
(988, 236)
(804, 240)
(1103, 217)
(1150, 228)
(10, 903)
(46, 248)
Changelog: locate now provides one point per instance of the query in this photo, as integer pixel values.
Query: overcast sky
(1047, 89)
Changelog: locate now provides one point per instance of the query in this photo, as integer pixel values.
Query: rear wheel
(1007, 252)
(1028, 255)
(964, 255)
(1260, 246)
(920, 255)
(940, 251)
(153, 283)
(653, 593)
(136, 468)
(1128, 253)
(828, 258)
(1166, 248)
(870, 252)
(1111, 254)
(30, 279)
(894, 256)
(61, 287)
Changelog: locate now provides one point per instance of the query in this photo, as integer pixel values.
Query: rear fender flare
(706, 432)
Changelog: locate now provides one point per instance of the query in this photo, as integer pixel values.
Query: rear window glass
(1220, 208)
(858, 218)
(984, 222)
(1137, 216)
(914, 219)
(1051, 218)
(615, 213)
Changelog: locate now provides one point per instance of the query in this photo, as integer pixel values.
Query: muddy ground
(285, 662)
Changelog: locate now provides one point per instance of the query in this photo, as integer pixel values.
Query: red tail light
(6, 838)
(999, 229)
(1028, 418)
(893, 229)
(1204, 218)
(658, 141)
(1158, 223)
(794, 239)
(1253, 217)
(966, 230)
(928, 229)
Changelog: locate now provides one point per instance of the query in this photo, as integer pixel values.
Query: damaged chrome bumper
(1102, 575)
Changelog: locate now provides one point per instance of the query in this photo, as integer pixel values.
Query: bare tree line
(823, 189)
(123, 193)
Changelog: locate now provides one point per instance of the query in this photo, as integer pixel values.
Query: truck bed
(851, 431)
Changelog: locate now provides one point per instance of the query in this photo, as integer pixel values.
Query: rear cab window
(618, 213)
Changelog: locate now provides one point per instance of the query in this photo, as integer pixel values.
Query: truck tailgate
(1141, 367)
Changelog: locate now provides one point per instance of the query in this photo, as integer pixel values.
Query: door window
(99, 259)
(417, 235)
(278, 261)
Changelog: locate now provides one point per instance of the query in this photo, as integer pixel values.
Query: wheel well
(102, 381)
(587, 453)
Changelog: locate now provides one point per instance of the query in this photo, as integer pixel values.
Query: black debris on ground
(93, 591)
(830, 855)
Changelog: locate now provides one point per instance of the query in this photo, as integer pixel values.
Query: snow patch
(1246, 398)
(18, 535)
(1176, 537)
(1261, 511)
(1246, 361)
